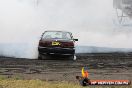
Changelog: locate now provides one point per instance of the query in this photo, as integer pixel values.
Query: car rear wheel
(73, 57)
(41, 57)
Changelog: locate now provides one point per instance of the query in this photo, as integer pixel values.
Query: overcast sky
(93, 22)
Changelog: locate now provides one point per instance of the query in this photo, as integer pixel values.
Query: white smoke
(93, 22)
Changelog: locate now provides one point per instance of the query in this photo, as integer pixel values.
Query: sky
(93, 22)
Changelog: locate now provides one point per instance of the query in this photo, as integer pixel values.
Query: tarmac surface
(54, 68)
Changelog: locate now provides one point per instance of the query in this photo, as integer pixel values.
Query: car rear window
(56, 35)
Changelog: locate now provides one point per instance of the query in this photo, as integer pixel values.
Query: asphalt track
(54, 68)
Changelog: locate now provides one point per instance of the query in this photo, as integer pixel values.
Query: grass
(35, 84)
(18, 82)
(12, 83)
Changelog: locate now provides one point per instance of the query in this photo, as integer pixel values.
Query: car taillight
(44, 43)
(68, 44)
(40, 43)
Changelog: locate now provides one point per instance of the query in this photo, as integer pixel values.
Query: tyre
(73, 57)
(41, 57)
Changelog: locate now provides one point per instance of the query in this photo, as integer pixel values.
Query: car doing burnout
(57, 43)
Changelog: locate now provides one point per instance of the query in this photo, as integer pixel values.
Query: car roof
(56, 31)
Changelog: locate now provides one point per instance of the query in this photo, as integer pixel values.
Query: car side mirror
(75, 39)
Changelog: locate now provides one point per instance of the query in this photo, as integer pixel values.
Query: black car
(57, 43)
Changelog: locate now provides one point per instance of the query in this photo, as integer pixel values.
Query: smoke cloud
(93, 22)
